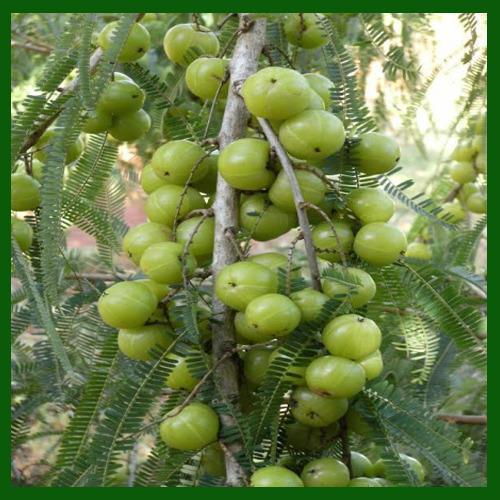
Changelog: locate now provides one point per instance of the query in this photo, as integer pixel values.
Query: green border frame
(492, 9)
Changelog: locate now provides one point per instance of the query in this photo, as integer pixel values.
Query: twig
(344, 440)
(464, 419)
(298, 199)
(225, 20)
(31, 47)
(453, 193)
(214, 103)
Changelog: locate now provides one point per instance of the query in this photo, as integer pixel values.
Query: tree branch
(464, 419)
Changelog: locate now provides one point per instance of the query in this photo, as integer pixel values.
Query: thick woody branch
(464, 419)
(244, 60)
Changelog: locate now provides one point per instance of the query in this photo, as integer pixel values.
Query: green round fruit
(202, 244)
(364, 482)
(74, 151)
(37, 168)
(263, 220)
(310, 303)
(480, 163)
(334, 376)
(293, 373)
(325, 472)
(322, 86)
(24, 193)
(208, 183)
(452, 212)
(314, 410)
(466, 190)
(161, 291)
(276, 93)
(315, 103)
(121, 77)
(414, 465)
(175, 160)
(247, 331)
(273, 314)
(462, 172)
(184, 42)
(150, 181)
(127, 304)
(463, 152)
(212, 461)
(313, 190)
(23, 233)
(274, 476)
(255, 365)
(312, 135)
(375, 153)
(361, 465)
(379, 243)
(162, 204)
(373, 364)
(243, 164)
(239, 283)
(305, 30)
(193, 428)
(180, 377)
(327, 242)
(121, 98)
(98, 122)
(379, 468)
(476, 203)
(162, 262)
(370, 205)
(351, 336)
(204, 76)
(136, 45)
(305, 438)
(271, 260)
(136, 343)
(131, 126)
(417, 250)
(139, 238)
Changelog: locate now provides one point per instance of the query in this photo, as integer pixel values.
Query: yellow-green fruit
(462, 172)
(325, 472)
(131, 126)
(463, 153)
(180, 377)
(205, 75)
(370, 205)
(329, 243)
(274, 476)
(480, 163)
(276, 93)
(305, 30)
(121, 97)
(139, 238)
(361, 465)
(136, 343)
(247, 331)
(150, 180)
(373, 364)
(466, 190)
(310, 303)
(316, 102)
(74, 150)
(149, 17)
(415, 466)
(356, 284)
(202, 243)
(184, 42)
(193, 428)
(476, 203)
(322, 86)
(255, 365)
(452, 212)
(479, 143)
(271, 260)
(305, 438)
(36, 169)
(99, 122)
(208, 183)
(212, 460)
(418, 250)
(161, 291)
(294, 373)
(23, 233)
(24, 193)
(375, 153)
(136, 45)
(364, 482)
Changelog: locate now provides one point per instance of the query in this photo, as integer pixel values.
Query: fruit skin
(324, 239)
(414, 465)
(314, 410)
(337, 377)
(99, 122)
(204, 75)
(175, 160)
(418, 250)
(208, 183)
(139, 238)
(255, 365)
(182, 38)
(23, 233)
(466, 190)
(364, 482)
(196, 426)
(276, 93)
(305, 30)
(463, 153)
(305, 438)
(476, 203)
(36, 169)
(274, 476)
(243, 164)
(212, 461)
(161, 291)
(325, 472)
(452, 212)
(361, 290)
(271, 260)
(239, 283)
(310, 302)
(131, 126)
(136, 343)
(351, 336)
(316, 102)
(127, 304)
(462, 172)
(162, 262)
(379, 243)
(150, 181)
(162, 204)
(273, 314)
(361, 465)
(375, 153)
(24, 193)
(121, 98)
(312, 135)
(263, 220)
(247, 331)
(370, 205)
(480, 163)
(294, 373)
(202, 244)
(373, 364)
(313, 190)
(136, 45)
(321, 85)
(180, 377)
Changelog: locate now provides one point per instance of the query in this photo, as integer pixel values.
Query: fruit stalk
(298, 199)
(243, 63)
